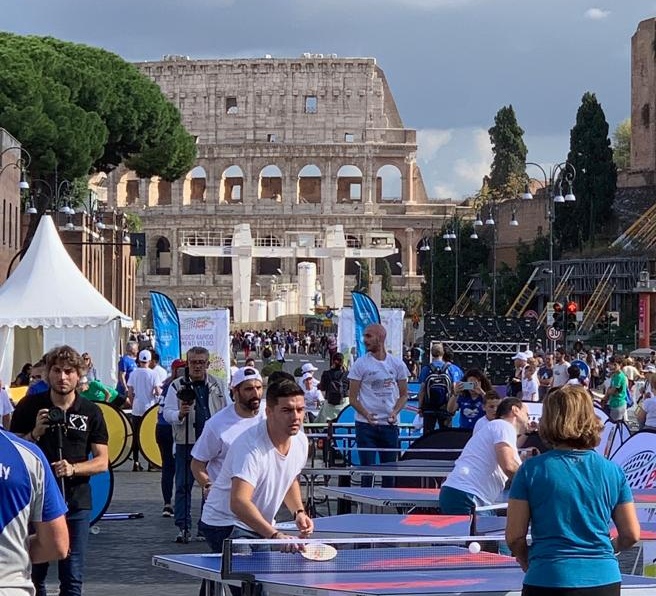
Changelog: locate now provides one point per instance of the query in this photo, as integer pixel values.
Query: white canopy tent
(47, 302)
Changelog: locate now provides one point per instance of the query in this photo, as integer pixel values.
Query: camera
(186, 393)
(56, 417)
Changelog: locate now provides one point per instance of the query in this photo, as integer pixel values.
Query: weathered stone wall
(643, 97)
(10, 206)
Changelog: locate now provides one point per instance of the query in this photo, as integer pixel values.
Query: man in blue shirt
(29, 496)
(126, 364)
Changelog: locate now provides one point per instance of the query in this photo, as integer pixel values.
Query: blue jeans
(457, 502)
(376, 435)
(71, 569)
(164, 438)
(215, 535)
(184, 481)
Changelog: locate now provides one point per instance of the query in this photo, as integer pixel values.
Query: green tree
(595, 182)
(622, 145)
(77, 109)
(386, 281)
(509, 162)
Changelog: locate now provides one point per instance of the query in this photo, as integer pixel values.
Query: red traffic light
(572, 308)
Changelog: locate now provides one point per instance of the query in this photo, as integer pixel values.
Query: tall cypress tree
(596, 178)
(509, 151)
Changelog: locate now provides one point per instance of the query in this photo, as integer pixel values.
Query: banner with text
(166, 325)
(209, 329)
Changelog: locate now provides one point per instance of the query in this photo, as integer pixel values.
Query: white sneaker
(183, 537)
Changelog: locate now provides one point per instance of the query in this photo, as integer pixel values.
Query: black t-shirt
(84, 426)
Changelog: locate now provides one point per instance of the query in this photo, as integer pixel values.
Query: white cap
(145, 356)
(308, 367)
(520, 356)
(529, 353)
(307, 375)
(245, 373)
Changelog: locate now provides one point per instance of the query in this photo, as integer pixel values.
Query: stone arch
(270, 183)
(160, 256)
(232, 185)
(389, 184)
(159, 192)
(308, 187)
(194, 187)
(349, 184)
(393, 260)
(127, 189)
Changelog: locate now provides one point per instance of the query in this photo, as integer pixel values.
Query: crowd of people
(246, 455)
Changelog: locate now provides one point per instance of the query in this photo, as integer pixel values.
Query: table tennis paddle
(317, 551)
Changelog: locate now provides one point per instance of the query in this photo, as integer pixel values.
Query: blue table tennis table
(374, 572)
(379, 497)
(383, 524)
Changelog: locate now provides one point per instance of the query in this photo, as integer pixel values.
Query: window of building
(310, 104)
(231, 105)
(271, 138)
(348, 137)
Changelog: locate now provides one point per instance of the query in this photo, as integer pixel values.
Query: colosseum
(302, 160)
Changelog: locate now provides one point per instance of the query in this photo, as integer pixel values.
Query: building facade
(11, 162)
(299, 160)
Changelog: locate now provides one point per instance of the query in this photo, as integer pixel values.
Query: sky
(451, 64)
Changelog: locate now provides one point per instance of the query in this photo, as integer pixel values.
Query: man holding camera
(189, 403)
(68, 429)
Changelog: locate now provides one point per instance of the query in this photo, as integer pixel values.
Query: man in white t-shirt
(223, 428)
(378, 391)
(487, 462)
(560, 376)
(143, 389)
(260, 472)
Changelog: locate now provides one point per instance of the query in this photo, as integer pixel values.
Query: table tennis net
(257, 557)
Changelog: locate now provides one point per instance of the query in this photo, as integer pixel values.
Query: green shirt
(96, 392)
(618, 381)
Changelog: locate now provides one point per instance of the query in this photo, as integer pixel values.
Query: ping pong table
(380, 497)
(376, 572)
(385, 524)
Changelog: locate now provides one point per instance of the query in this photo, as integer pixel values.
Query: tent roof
(48, 290)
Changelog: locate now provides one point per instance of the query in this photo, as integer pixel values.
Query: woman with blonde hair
(569, 496)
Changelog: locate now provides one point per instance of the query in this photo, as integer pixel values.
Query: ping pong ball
(474, 548)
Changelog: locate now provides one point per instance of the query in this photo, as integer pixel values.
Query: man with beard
(378, 391)
(221, 430)
(68, 429)
(261, 472)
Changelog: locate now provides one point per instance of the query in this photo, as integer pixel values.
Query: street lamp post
(427, 247)
(559, 173)
(21, 163)
(453, 233)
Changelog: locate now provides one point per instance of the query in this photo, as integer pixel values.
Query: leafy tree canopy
(596, 178)
(508, 148)
(76, 109)
(622, 145)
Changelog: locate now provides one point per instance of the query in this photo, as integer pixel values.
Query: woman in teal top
(570, 496)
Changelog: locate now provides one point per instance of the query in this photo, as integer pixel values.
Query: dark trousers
(71, 569)
(606, 590)
(433, 419)
(136, 446)
(184, 481)
(376, 435)
(164, 438)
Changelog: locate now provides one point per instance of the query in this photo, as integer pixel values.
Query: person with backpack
(437, 379)
(335, 384)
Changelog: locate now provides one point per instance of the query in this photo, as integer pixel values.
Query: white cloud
(430, 141)
(596, 14)
(474, 167)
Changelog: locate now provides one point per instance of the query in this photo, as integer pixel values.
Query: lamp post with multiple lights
(559, 175)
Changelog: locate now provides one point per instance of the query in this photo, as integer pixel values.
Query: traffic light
(571, 309)
(558, 316)
(614, 318)
(602, 322)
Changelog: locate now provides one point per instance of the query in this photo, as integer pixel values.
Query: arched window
(349, 184)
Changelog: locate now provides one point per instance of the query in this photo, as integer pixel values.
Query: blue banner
(365, 313)
(167, 328)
